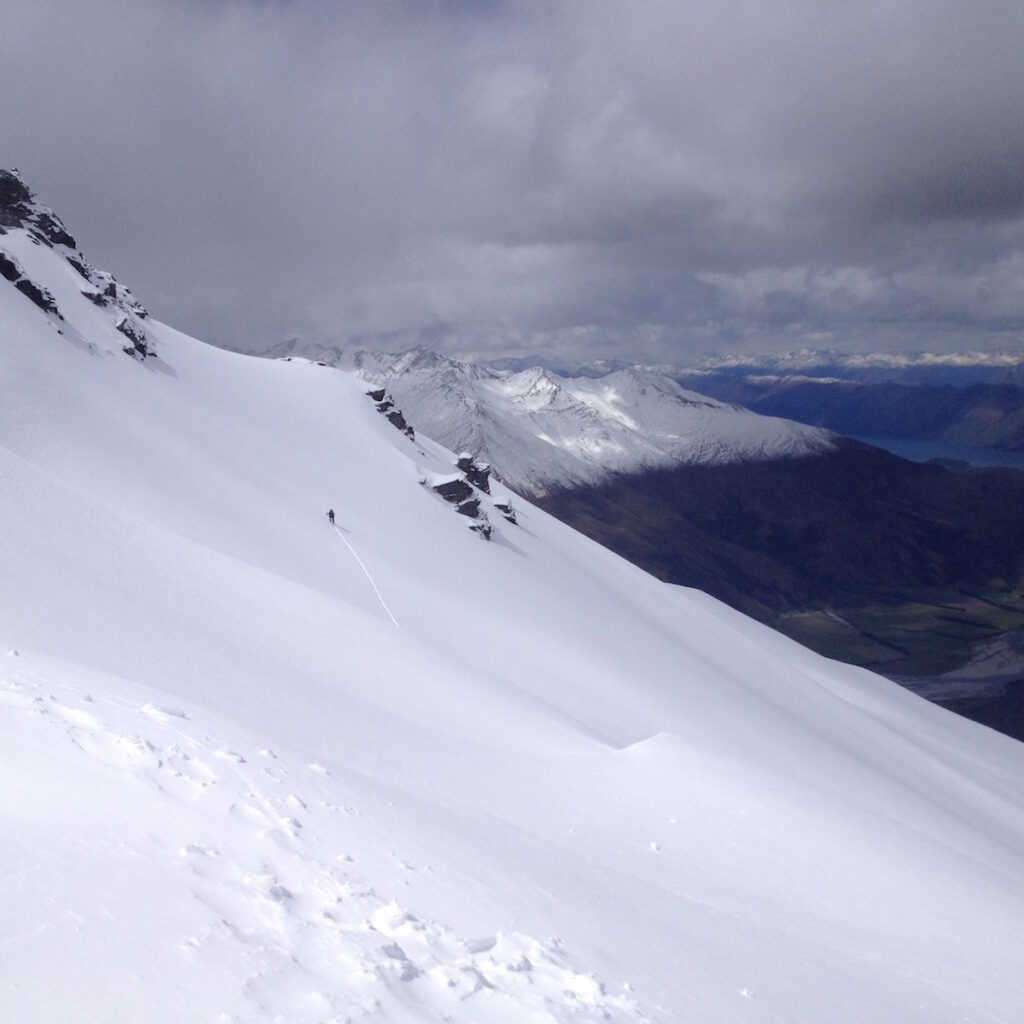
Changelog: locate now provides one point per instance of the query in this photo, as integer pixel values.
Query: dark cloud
(642, 179)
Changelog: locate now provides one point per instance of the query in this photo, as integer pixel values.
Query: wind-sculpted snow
(250, 773)
(270, 910)
(541, 431)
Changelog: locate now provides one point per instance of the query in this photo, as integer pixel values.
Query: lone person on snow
(330, 515)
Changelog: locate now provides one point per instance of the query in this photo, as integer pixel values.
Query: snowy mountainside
(27, 230)
(540, 430)
(257, 768)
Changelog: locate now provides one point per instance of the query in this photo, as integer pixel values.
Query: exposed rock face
(454, 491)
(15, 200)
(136, 335)
(39, 295)
(477, 473)
(386, 406)
(460, 491)
(470, 508)
(457, 491)
(19, 209)
(10, 270)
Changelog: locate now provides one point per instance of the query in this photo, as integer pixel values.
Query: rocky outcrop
(139, 347)
(15, 200)
(19, 209)
(386, 406)
(506, 509)
(454, 491)
(10, 270)
(106, 291)
(477, 473)
(457, 491)
(460, 490)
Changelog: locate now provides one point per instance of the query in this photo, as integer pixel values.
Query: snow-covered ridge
(256, 767)
(540, 430)
(27, 226)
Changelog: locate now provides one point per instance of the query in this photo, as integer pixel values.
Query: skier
(330, 515)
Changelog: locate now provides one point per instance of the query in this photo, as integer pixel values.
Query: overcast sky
(644, 180)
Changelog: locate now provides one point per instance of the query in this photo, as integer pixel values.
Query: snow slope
(538, 785)
(541, 430)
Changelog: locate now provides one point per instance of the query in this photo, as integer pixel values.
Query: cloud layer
(650, 179)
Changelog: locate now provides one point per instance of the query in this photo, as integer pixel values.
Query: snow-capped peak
(29, 231)
(540, 430)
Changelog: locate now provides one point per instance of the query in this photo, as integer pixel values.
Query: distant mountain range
(543, 432)
(986, 414)
(864, 556)
(955, 368)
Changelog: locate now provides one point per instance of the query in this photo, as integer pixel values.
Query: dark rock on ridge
(10, 270)
(386, 406)
(136, 335)
(477, 473)
(506, 509)
(470, 508)
(15, 200)
(454, 491)
(40, 296)
(18, 209)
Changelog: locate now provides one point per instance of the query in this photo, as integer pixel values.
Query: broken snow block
(455, 491)
(484, 529)
(477, 473)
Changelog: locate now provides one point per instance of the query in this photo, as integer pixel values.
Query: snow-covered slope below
(540, 430)
(256, 768)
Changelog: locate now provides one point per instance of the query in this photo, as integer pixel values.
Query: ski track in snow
(313, 942)
(362, 566)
